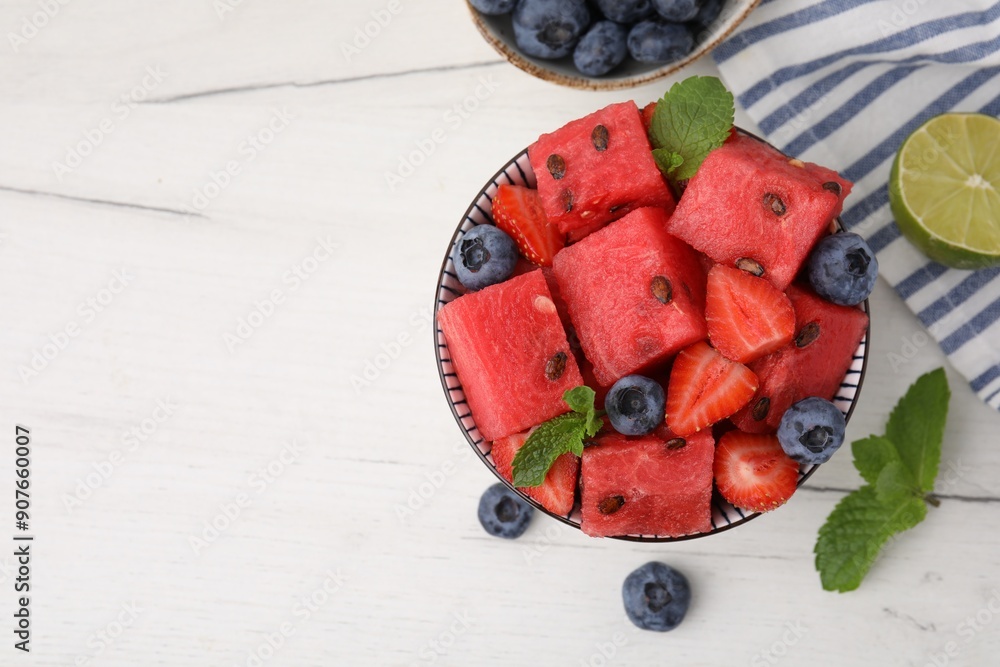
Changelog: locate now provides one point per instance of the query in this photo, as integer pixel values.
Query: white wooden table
(200, 243)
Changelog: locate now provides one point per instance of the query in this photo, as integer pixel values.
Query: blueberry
(677, 10)
(503, 513)
(812, 430)
(625, 11)
(710, 10)
(484, 256)
(659, 42)
(635, 405)
(549, 28)
(602, 49)
(494, 7)
(656, 597)
(843, 268)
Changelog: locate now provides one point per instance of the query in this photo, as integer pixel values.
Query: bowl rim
(534, 503)
(582, 82)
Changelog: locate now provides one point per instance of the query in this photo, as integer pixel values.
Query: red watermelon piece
(510, 353)
(636, 295)
(752, 207)
(597, 169)
(558, 492)
(830, 334)
(647, 486)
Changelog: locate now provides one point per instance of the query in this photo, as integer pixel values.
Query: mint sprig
(557, 436)
(899, 468)
(691, 120)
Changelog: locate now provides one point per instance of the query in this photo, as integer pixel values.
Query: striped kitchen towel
(842, 83)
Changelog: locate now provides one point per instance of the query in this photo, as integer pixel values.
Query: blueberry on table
(659, 42)
(677, 10)
(549, 28)
(503, 513)
(602, 49)
(656, 597)
(494, 7)
(812, 430)
(635, 405)
(484, 256)
(625, 11)
(843, 269)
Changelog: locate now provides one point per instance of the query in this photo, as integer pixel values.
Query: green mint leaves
(899, 468)
(557, 436)
(693, 118)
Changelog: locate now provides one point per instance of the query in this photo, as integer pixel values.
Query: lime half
(945, 190)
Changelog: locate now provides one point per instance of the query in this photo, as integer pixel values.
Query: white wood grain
(552, 597)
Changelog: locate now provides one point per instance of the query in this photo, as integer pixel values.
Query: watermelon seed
(556, 166)
(662, 290)
(760, 409)
(676, 443)
(833, 186)
(611, 504)
(795, 162)
(567, 200)
(555, 366)
(773, 202)
(599, 137)
(809, 333)
(750, 266)
(617, 207)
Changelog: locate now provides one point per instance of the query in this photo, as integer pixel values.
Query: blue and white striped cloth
(842, 83)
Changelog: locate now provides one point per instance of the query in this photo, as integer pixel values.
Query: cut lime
(944, 190)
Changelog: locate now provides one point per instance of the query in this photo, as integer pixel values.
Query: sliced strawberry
(753, 472)
(518, 211)
(704, 388)
(647, 115)
(747, 316)
(558, 492)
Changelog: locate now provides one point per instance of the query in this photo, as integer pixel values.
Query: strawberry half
(558, 492)
(518, 211)
(747, 316)
(753, 472)
(647, 115)
(704, 388)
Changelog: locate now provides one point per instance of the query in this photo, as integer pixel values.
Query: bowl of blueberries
(606, 44)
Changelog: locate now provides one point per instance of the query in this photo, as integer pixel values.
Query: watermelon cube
(510, 353)
(751, 207)
(558, 492)
(647, 486)
(813, 364)
(596, 169)
(636, 295)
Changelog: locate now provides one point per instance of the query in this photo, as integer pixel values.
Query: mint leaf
(872, 454)
(916, 426)
(693, 118)
(581, 400)
(900, 467)
(895, 483)
(667, 160)
(557, 436)
(548, 442)
(850, 540)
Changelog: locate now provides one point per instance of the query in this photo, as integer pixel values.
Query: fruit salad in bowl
(650, 323)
